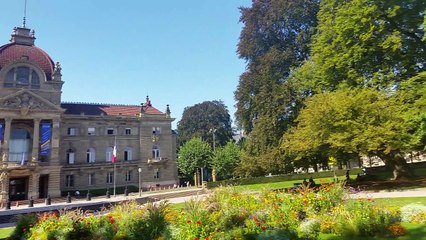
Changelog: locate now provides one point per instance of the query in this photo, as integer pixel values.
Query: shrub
(410, 211)
(23, 225)
(309, 229)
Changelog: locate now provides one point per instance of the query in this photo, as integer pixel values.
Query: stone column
(36, 141)
(4, 184)
(54, 155)
(34, 186)
(7, 130)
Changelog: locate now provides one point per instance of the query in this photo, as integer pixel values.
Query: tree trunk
(398, 164)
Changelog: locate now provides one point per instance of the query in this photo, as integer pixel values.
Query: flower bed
(230, 214)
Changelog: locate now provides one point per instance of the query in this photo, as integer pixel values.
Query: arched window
(22, 76)
(70, 156)
(91, 155)
(109, 154)
(155, 152)
(128, 154)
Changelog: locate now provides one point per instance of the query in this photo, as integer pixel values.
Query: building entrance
(18, 189)
(43, 186)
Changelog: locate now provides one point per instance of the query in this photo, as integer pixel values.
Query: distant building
(48, 147)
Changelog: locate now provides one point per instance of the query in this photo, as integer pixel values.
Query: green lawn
(5, 232)
(286, 184)
(414, 232)
(400, 201)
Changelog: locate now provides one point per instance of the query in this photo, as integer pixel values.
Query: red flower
(188, 221)
(258, 223)
(196, 238)
(198, 222)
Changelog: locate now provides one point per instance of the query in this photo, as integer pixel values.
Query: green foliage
(203, 118)
(193, 154)
(363, 43)
(226, 159)
(274, 40)
(23, 225)
(361, 218)
(360, 121)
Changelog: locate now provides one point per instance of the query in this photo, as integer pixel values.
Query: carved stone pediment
(26, 101)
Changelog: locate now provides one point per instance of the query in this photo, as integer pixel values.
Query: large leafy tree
(192, 155)
(362, 121)
(203, 120)
(364, 43)
(274, 40)
(226, 159)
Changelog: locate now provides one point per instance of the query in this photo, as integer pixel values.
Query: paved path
(420, 192)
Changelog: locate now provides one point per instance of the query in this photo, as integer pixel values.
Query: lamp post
(139, 171)
(213, 131)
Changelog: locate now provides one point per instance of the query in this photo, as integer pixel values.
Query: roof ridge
(109, 104)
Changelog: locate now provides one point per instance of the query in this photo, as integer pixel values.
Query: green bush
(23, 224)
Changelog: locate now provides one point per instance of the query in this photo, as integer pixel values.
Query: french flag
(114, 154)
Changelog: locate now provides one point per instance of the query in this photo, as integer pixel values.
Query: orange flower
(188, 221)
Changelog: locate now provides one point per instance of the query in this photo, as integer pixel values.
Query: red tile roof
(12, 52)
(106, 109)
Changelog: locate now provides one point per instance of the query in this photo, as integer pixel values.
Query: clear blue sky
(178, 52)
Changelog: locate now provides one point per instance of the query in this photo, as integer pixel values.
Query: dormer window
(22, 77)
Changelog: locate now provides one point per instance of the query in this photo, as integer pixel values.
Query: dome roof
(22, 48)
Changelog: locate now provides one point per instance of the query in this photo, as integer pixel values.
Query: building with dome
(49, 148)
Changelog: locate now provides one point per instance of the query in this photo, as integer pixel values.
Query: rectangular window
(128, 155)
(128, 131)
(69, 181)
(156, 173)
(110, 131)
(71, 131)
(91, 179)
(128, 176)
(91, 131)
(110, 177)
(70, 157)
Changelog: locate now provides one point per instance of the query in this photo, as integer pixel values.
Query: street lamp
(213, 131)
(139, 171)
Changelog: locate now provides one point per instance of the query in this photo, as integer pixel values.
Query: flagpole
(115, 146)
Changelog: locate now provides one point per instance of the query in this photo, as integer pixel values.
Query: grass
(286, 184)
(414, 232)
(6, 232)
(399, 202)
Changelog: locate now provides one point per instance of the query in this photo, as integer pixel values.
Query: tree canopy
(274, 40)
(365, 43)
(194, 154)
(364, 121)
(203, 120)
(226, 159)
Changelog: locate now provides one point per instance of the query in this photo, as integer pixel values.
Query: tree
(226, 159)
(203, 120)
(362, 121)
(194, 154)
(274, 40)
(364, 43)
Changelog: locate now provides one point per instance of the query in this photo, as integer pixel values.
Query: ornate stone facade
(50, 148)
